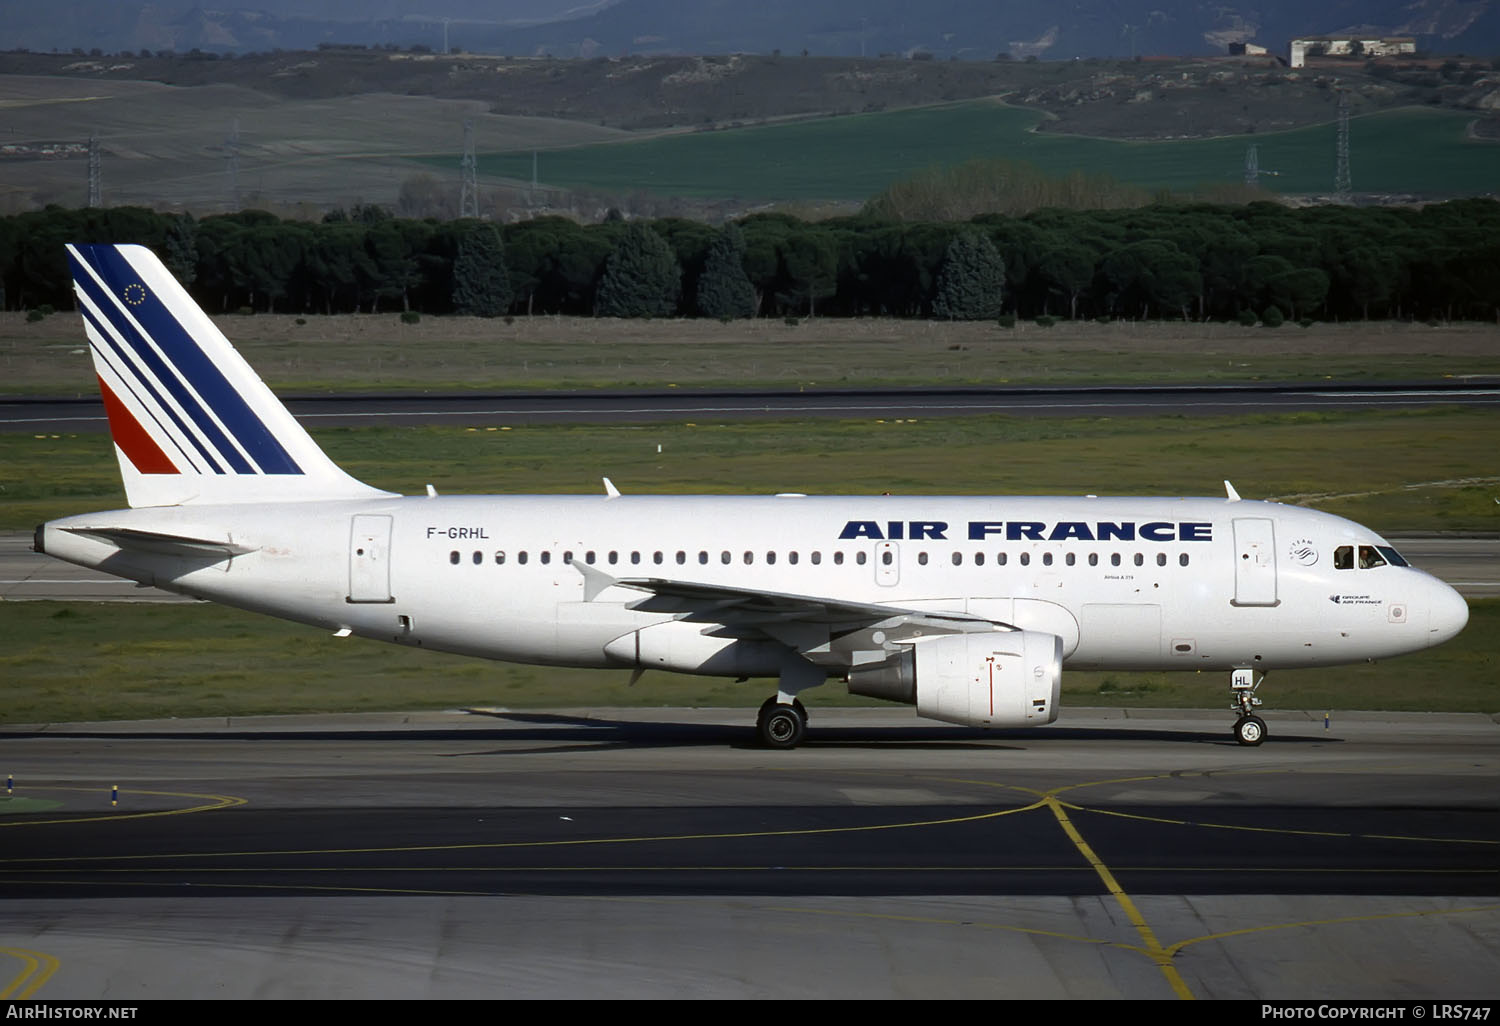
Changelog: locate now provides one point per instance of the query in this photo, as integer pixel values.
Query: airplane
(966, 607)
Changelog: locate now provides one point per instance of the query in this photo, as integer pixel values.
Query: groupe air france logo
(135, 293)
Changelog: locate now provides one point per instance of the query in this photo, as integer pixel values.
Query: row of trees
(1165, 261)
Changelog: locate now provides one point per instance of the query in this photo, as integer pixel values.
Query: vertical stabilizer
(192, 423)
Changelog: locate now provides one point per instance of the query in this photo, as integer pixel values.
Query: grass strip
(1423, 470)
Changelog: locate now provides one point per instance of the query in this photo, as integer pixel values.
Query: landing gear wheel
(1250, 730)
(781, 726)
(772, 702)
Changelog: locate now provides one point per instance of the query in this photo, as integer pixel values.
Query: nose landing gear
(1249, 729)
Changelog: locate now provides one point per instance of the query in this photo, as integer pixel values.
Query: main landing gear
(1249, 729)
(780, 725)
(782, 720)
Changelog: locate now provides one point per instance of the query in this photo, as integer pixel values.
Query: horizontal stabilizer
(163, 544)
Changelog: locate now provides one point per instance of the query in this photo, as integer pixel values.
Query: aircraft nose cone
(1447, 613)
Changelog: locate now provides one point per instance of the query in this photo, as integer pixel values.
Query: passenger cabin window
(499, 558)
(546, 557)
(478, 558)
(453, 557)
(859, 557)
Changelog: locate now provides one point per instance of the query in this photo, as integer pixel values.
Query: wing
(808, 623)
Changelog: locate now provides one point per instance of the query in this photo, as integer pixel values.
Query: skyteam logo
(171, 409)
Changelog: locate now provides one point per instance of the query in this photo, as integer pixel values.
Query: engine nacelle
(989, 679)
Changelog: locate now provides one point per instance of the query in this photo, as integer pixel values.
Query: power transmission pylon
(96, 185)
(468, 196)
(232, 164)
(1342, 185)
(1252, 166)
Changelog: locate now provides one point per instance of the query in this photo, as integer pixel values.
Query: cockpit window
(1369, 558)
(1343, 557)
(1392, 556)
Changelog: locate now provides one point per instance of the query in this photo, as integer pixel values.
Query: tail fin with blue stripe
(192, 423)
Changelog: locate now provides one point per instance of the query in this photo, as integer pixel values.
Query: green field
(1395, 471)
(377, 353)
(853, 157)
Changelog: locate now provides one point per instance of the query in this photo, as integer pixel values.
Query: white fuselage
(1129, 583)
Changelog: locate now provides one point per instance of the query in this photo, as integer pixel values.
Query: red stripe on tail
(144, 454)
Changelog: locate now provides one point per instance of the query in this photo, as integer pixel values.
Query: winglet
(1234, 496)
(610, 491)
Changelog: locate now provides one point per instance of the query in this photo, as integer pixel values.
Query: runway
(657, 853)
(51, 416)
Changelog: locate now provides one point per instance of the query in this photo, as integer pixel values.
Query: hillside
(337, 127)
(964, 29)
(1182, 98)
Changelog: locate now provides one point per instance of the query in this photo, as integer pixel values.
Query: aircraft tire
(782, 726)
(1250, 730)
(771, 703)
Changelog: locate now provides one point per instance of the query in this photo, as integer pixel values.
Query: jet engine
(985, 679)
